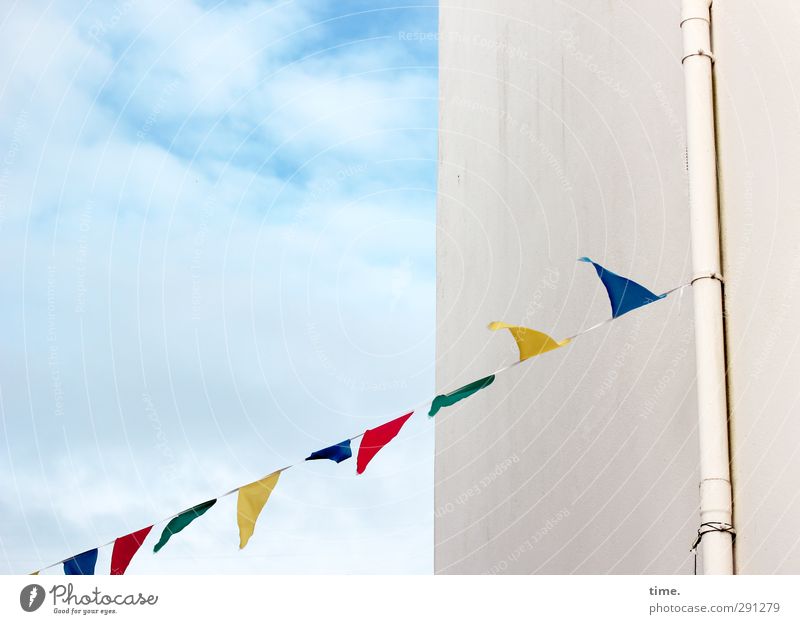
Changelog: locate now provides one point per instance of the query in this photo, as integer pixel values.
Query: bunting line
(87, 559)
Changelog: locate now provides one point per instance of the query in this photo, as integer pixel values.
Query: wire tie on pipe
(710, 527)
(709, 275)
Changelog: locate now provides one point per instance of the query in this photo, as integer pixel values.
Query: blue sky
(217, 236)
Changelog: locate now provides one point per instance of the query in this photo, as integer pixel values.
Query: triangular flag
(82, 564)
(337, 452)
(252, 499)
(446, 400)
(181, 521)
(625, 295)
(375, 439)
(125, 548)
(530, 342)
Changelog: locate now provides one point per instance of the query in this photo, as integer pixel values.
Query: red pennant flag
(375, 439)
(125, 548)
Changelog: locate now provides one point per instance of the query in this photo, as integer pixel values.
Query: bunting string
(624, 295)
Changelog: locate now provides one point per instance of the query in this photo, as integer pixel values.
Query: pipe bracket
(699, 52)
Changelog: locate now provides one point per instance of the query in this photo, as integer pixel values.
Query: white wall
(757, 74)
(562, 135)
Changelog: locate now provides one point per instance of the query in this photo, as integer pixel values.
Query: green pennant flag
(181, 521)
(446, 400)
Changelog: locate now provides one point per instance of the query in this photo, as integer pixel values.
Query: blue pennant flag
(625, 294)
(337, 452)
(81, 564)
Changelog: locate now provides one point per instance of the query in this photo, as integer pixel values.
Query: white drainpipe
(715, 485)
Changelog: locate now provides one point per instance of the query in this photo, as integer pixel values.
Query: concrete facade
(562, 135)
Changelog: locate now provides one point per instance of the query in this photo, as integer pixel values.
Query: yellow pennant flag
(529, 341)
(252, 499)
